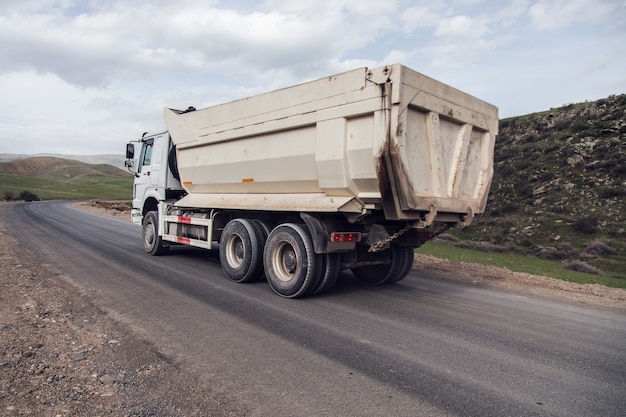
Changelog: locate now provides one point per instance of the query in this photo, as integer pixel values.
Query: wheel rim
(285, 262)
(149, 234)
(234, 251)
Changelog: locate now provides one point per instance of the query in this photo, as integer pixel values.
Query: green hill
(559, 188)
(62, 179)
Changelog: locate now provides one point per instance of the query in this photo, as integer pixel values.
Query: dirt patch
(117, 209)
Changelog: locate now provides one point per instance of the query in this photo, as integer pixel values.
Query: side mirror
(130, 151)
(129, 163)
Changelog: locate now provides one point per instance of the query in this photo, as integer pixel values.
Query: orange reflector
(247, 180)
(187, 182)
(345, 237)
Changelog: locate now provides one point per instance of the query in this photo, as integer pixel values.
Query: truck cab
(156, 173)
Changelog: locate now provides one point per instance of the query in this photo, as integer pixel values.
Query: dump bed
(386, 139)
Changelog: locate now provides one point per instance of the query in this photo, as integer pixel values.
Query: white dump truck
(352, 171)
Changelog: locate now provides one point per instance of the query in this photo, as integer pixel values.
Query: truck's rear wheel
(409, 257)
(152, 242)
(291, 264)
(330, 265)
(241, 251)
(263, 232)
(399, 265)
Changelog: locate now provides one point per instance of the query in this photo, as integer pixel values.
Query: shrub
(482, 246)
(490, 247)
(586, 225)
(549, 253)
(579, 126)
(8, 196)
(581, 266)
(599, 248)
(504, 209)
(445, 237)
(611, 192)
(565, 247)
(28, 196)
(524, 189)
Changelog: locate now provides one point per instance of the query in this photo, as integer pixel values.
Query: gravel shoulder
(525, 284)
(61, 356)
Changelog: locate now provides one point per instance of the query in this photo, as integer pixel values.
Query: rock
(112, 378)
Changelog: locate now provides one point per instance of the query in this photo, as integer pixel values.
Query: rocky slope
(559, 186)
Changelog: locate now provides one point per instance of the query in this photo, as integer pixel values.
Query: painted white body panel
(387, 138)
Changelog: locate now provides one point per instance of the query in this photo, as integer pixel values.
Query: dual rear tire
(287, 258)
(241, 250)
(292, 267)
(398, 263)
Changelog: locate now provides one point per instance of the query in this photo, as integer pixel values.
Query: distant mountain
(49, 178)
(57, 168)
(115, 160)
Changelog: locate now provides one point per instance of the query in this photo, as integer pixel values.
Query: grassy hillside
(559, 189)
(54, 178)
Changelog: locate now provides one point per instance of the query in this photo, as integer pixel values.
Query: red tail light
(344, 237)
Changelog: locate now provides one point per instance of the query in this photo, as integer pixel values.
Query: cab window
(146, 154)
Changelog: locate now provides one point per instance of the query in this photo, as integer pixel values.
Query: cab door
(143, 179)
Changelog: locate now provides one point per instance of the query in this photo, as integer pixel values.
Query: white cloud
(71, 68)
(418, 17)
(129, 39)
(554, 14)
(462, 27)
(45, 114)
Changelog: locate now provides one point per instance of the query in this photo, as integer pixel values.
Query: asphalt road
(421, 347)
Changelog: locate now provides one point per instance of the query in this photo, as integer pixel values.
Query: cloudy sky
(86, 76)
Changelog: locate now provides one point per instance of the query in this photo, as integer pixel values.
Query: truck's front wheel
(292, 267)
(152, 242)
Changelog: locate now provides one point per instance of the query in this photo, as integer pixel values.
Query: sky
(84, 77)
